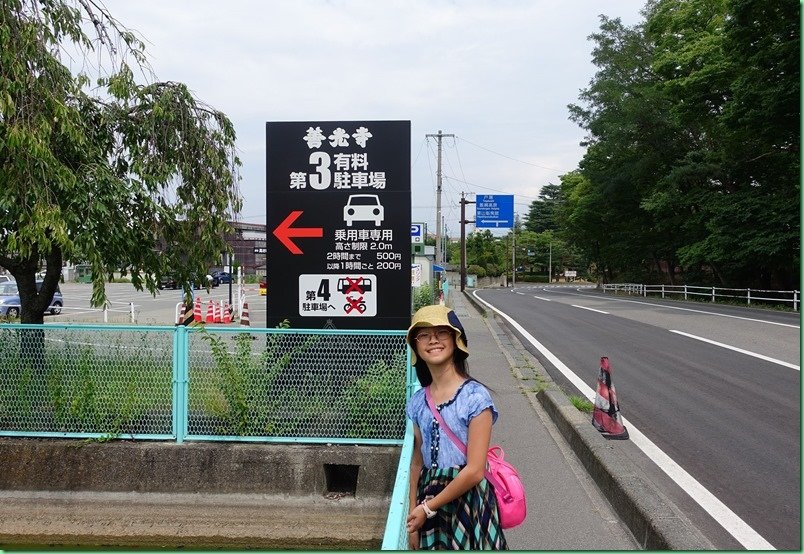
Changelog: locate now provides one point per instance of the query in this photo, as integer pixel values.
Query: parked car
(10, 299)
(168, 282)
(263, 285)
(224, 278)
(6, 279)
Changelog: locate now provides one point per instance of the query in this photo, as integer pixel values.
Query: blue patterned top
(438, 450)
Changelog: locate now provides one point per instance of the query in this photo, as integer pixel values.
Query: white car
(363, 207)
(6, 279)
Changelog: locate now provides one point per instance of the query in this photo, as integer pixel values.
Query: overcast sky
(497, 74)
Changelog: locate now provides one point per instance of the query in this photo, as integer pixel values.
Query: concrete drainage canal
(72, 493)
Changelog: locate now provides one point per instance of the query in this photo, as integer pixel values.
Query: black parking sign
(338, 205)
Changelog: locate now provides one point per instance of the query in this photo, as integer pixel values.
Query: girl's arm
(416, 463)
(477, 446)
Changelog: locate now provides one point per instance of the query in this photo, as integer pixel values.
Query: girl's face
(435, 345)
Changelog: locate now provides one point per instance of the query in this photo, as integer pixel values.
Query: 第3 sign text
(338, 205)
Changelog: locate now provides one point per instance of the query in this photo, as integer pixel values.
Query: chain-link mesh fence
(89, 381)
(287, 383)
(249, 383)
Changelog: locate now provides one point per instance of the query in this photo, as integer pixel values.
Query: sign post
(338, 205)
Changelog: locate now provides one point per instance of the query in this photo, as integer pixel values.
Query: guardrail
(396, 533)
(783, 297)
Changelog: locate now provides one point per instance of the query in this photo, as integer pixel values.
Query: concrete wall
(247, 495)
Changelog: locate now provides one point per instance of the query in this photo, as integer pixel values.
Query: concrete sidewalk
(564, 462)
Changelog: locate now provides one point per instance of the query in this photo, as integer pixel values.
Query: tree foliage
(138, 177)
(541, 216)
(692, 166)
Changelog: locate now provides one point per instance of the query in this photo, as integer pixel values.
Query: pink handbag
(505, 481)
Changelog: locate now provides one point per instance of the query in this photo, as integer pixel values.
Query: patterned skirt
(470, 522)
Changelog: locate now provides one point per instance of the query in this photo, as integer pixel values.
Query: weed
(423, 296)
(581, 403)
(376, 398)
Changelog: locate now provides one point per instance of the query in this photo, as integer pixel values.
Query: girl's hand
(416, 519)
(413, 540)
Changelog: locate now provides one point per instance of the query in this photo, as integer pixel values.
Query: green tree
(693, 134)
(629, 143)
(138, 177)
(487, 251)
(730, 70)
(541, 216)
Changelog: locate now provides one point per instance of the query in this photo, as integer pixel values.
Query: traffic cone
(606, 416)
(244, 321)
(210, 313)
(227, 312)
(217, 312)
(197, 311)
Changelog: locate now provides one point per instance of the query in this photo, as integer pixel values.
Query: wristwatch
(427, 511)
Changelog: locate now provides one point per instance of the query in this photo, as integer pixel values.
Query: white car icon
(363, 207)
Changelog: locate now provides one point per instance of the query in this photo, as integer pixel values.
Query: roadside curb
(653, 519)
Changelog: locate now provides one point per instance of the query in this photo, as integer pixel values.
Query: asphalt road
(730, 419)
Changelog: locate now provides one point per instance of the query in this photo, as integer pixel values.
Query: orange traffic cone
(217, 312)
(197, 310)
(210, 313)
(227, 312)
(606, 416)
(244, 321)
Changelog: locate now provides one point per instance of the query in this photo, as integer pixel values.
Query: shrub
(476, 270)
(423, 296)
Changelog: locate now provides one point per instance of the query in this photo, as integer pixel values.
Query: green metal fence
(196, 383)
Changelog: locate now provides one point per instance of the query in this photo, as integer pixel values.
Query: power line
(487, 188)
(509, 157)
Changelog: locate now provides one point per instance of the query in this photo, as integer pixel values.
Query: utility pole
(438, 257)
(444, 241)
(513, 256)
(464, 202)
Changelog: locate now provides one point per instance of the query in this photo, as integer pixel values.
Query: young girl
(452, 506)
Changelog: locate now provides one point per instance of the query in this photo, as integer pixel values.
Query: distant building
(248, 243)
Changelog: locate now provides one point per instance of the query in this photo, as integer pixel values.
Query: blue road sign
(494, 211)
(417, 232)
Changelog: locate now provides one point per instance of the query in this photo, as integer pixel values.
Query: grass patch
(582, 403)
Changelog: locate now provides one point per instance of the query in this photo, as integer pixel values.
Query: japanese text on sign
(333, 295)
(351, 170)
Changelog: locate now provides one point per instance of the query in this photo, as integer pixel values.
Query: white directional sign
(338, 295)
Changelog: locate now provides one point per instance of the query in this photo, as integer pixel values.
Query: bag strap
(442, 423)
(461, 446)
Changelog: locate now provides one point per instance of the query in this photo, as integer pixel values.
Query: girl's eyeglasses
(441, 335)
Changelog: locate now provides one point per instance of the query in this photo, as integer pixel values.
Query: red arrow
(284, 232)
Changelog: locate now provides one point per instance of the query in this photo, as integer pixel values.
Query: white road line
(689, 310)
(740, 350)
(541, 298)
(590, 309)
(731, 522)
